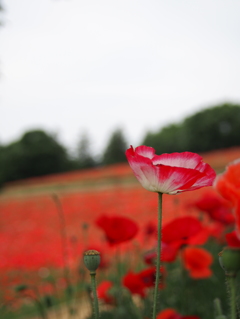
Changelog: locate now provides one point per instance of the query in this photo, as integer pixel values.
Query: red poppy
(197, 261)
(150, 229)
(216, 207)
(117, 229)
(228, 184)
(138, 282)
(179, 232)
(181, 229)
(170, 313)
(175, 235)
(103, 291)
(168, 254)
(148, 276)
(232, 239)
(169, 173)
(134, 283)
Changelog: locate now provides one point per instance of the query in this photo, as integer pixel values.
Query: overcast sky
(74, 66)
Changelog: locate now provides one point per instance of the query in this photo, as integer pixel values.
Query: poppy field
(48, 223)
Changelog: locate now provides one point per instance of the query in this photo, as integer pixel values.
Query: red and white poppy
(169, 173)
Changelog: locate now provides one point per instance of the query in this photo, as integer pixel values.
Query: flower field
(47, 223)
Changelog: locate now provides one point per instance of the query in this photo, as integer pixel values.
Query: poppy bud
(92, 260)
(229, 260)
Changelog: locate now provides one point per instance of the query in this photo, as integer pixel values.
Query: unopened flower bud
(229, 260)
(92, 260)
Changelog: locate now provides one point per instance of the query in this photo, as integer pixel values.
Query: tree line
(39, 153)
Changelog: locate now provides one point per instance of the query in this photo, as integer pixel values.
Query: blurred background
(81, 73)
(81, 81)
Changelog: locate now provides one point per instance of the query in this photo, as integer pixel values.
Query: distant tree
(169, 139)
(213, 128)
(115, 150)
(84, 157)
(36, 153)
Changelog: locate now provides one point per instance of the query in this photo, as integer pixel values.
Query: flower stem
(158, 263)
(232, 294)
(95, 298)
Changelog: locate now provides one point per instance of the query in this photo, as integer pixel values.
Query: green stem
(95, 298)
(158, 264)
(232, 294)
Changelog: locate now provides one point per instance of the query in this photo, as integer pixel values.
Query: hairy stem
(158, 263)
(231, 287)
(95, 298)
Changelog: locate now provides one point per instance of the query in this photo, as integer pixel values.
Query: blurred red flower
(103, 291)
(180, 232)
(169, 173)
(170, 313)
(177, 234)
(117, 229)
(228, 185)
(138, 282)
(150, 229)
(134, 283)
(232, 239)
(197, 261)
(148, 276)
(216, 207)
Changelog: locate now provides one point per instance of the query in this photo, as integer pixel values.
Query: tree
(213, 128)
(36, 153)
(115, 150)
(84, 158)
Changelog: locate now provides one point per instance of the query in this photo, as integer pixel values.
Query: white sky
(74, 66)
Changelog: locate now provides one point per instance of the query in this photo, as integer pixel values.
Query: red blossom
(103, 291)
(138, 282)
(150, 229)
(216, 207)
(180, 232)
(134, 283)
(170, 313)
(148, 276)
(169, 173)
(197, 261)
(228, 185)
(117, 229)
(233, 240)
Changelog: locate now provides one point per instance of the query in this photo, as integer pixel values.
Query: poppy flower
(117, 229)
(169, 173)
(148, 276)
(232, 239)
(168, 254)
(228, 185)
(176, 234)
(197, 261)
(216, 207)
(103, 291)
(180, 232)
(134, 283)
(181, 229)
(138, 282)
(170, 313)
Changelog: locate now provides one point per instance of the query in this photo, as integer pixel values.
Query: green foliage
(115, 150)
(210, 129)
(36, 153)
